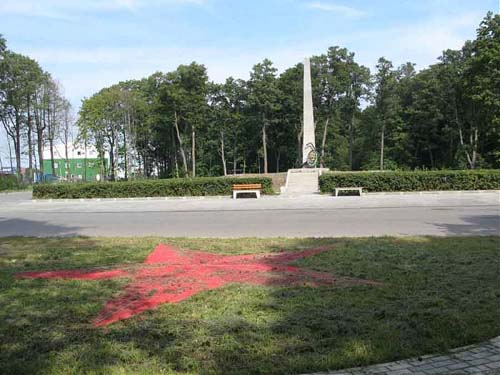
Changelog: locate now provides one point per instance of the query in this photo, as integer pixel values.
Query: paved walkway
(416, 214)
(474, 359)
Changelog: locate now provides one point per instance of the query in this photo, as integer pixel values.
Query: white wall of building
(75, 151)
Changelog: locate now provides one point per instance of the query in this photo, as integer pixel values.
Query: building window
(56, 165)
(79, 165)
(79, 153)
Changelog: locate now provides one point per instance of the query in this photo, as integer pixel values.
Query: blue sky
(90, 44)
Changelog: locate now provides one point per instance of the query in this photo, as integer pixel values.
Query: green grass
(436, 294)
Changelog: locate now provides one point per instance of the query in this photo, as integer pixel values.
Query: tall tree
(263, 99)
(16, 84)
(386, 101)
(482, 77)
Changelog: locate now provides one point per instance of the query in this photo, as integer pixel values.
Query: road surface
(438, 214)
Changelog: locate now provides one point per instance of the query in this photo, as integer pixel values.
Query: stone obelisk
(308, 125)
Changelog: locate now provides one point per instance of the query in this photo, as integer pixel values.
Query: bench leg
(258, 194)
(235, 194)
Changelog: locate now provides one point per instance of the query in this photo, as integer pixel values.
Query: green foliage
(180, 187)
(412, 181)
(8, 182)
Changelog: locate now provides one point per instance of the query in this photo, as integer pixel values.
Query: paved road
(469, 213)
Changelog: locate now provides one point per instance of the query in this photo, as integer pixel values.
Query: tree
(3, 45)
(66, 131)
(18, 78)
(263, 100)
(338, 85)
(289, 132)
(482, 80)
(386, 101)
(184, 97)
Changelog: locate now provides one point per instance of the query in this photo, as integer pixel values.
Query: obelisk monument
(308, 125)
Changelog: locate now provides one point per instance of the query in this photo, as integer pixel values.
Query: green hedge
(412, 181)
(148, 188)
(8, 182)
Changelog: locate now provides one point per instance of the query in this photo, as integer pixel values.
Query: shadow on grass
(436, 293)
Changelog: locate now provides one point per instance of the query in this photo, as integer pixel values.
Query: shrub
(8, 182)
(149, 188)
(412, 181)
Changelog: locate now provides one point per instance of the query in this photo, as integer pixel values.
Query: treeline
(33, 111)
(180, 124)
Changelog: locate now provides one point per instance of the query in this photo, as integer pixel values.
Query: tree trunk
(474, 148)
(125, 154)
(112, 162)
(30, 143)
(471, 160)
(10, 156)
(84, 161)
(351, 138)
(323, 143)
(183, 154)
(193, 150)
(17, 146)
(52, 162)
(39, 141)
(222, 153)
(235, 152)
(264, 145)
(50, 136)
(382, 138)
(66, 152)
(299, 144)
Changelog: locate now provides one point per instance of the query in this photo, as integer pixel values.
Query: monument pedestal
(302, 181)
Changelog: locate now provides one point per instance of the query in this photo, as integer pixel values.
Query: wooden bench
(246, 188)
(358, 189)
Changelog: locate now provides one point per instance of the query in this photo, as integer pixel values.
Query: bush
(412, 181)
(149, 188)
(8, 182)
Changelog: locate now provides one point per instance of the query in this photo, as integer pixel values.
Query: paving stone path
(474, 359)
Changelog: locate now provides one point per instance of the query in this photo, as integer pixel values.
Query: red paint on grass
(169, 275)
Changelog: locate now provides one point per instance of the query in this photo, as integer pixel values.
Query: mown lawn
(435, 294)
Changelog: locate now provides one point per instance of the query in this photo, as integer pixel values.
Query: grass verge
(435, 294)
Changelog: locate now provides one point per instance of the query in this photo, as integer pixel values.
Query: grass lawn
(434, 294)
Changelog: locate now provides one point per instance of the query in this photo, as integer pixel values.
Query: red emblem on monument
(169, 275)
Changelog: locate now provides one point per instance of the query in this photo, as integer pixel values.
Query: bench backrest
(247, 186)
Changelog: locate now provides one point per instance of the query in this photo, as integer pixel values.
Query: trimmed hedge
(8, 182)
(412, 181)
(148, 188)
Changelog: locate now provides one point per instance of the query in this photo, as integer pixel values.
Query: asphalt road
(439, 214)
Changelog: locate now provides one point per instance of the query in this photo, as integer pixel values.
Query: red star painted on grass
(169, 275)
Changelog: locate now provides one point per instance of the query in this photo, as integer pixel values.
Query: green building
(81, 164)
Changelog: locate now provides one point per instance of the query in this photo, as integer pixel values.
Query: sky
(91, 44)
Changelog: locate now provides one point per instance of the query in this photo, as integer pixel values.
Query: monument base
(302, 181)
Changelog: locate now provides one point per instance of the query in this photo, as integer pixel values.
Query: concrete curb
(280, 196)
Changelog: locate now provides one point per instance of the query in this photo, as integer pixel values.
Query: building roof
(75, 151)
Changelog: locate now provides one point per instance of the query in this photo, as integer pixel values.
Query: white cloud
(420, 43)
(341, 10)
